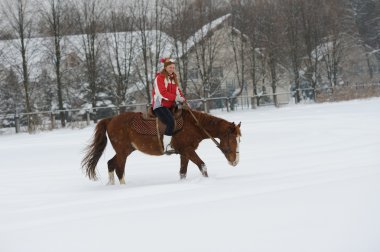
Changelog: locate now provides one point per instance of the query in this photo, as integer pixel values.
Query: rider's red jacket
(165, 92)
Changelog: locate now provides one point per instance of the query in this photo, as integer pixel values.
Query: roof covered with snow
(40, 50)
(202, 33)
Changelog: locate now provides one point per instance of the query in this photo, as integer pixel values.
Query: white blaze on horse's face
(236, 161)
(233, 154)
(237, 151)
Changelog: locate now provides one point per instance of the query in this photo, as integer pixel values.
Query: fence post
(228, 104)
(52, 120)
(205, 105)
(95, 114)
(17, 123)
(253, 102)
(88, 117)
(333, 93)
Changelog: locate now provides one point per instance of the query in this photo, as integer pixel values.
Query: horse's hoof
(182, 176)
(170, 152)
(204, 170)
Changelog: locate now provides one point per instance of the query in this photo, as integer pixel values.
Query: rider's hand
(186, 106)
(180, 99)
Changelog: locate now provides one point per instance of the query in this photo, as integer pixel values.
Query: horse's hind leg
(117, 163)
(112, 165)
(120, 168)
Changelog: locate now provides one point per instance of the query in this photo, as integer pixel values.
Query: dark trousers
(166, 117)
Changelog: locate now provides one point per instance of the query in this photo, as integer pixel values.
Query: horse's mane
(206, 118)
(210, 120)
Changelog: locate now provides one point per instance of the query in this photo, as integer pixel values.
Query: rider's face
(170, 69)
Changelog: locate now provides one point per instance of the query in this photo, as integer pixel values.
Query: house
(361, 65)
(216, 76)
(357, 64)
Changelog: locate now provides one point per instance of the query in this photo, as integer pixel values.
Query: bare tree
(312, 15)
(374, 25)
(358, 11)
(240, 45)
(52, 12)
(149, 22)
(141, 17)
(206, 48)
(10, 92)
(250, 29)
(19, 17)
(89, 19)
(158, 24)
(271, 36)
(121, 52)
(333, 47)
(180, 28)
(249, 19)
(292, 19)
(5, 32)
(367, 19)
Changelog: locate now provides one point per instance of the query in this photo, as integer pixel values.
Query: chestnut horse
(125, 139)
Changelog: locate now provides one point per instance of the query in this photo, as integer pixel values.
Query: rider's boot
(168, 149)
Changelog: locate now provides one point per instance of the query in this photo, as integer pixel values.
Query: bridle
(225, 151)
(228, 149)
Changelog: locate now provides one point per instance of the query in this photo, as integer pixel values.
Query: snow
(308, 180)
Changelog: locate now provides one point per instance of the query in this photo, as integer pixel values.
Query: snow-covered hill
(308, 180)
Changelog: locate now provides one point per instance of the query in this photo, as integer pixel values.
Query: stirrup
(166, 144)
(169, 150)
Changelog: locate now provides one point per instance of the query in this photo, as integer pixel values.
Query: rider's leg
(166, 117)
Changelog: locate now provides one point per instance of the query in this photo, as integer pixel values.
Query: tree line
(286, 32)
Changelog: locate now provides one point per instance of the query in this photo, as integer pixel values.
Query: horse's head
(229, 143)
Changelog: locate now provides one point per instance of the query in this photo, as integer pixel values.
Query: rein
(208, 134)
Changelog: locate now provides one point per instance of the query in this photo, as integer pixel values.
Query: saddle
(149, 124)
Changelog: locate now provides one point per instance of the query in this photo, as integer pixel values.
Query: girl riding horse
(165, 94)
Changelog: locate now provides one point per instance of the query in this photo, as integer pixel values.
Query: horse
(124, 138)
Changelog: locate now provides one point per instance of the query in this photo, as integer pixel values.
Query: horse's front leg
(193, 156)
(184, 164)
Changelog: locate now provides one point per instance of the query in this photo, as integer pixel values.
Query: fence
(79, 118)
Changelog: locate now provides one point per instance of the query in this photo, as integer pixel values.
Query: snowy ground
(308, 180)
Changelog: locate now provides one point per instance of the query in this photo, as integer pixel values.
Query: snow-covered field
(308, 180)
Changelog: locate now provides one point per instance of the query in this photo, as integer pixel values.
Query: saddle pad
(149, 127)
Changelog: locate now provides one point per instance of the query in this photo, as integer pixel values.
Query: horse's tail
(95, 150)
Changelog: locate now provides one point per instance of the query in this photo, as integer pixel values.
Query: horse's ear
(239, 124)
(231, 127)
